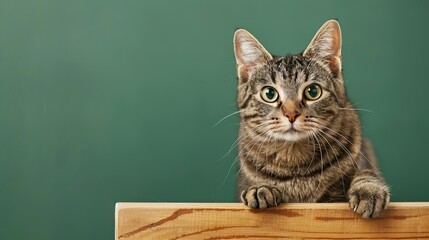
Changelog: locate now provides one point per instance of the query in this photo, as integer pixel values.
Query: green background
(107, 101)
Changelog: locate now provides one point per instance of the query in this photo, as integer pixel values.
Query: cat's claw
(261, 197)
(369, 200)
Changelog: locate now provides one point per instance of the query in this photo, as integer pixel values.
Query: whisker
(359, 150)
(227, 116)
(356, 109)
(236, 158)
(339, 165)
(321, 161)
(311, 135)
(245, 135)
(263, 142)
(342, 147)
(229, 171)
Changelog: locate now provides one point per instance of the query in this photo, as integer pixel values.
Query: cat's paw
(369, 199)
(261, 197)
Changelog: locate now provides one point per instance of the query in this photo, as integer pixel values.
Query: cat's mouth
(292, 130)
(291, 134)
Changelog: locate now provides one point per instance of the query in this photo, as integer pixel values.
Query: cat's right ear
(326, 46)
(249, 54)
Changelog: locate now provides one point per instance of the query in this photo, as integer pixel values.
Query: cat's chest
(287, 161)
(301, 189)
(305, 181)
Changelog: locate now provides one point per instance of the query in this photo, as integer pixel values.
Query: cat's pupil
(313, 91)
(270, 93)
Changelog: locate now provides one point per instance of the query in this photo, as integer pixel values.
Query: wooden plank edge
(172, 205)
(129, 207)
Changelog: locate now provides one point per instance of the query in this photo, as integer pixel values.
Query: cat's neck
(279, 157)
(277, 151)
(293, 153)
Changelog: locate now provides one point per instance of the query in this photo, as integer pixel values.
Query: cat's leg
(262, 196)
(368, 194)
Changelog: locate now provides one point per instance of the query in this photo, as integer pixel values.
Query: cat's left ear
(249, 54)
(326, 46)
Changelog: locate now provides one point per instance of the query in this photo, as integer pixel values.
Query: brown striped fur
(300, 150)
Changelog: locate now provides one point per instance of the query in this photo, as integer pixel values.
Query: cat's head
(294, 96)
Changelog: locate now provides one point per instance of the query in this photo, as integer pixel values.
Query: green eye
(269, 94)
(313, 92)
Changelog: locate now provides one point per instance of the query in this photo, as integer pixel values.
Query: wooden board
(211, 221)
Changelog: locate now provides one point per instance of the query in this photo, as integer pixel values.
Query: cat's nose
(292, 116)
(291, 110)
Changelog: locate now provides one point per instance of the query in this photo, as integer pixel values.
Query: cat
(300, 138)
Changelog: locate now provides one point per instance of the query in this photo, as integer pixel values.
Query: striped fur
(319, 155)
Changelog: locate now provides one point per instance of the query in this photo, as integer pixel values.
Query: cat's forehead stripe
(274, 76)
(290, 67)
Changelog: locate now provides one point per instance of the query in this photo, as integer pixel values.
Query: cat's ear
(249, 54)
(326, 46)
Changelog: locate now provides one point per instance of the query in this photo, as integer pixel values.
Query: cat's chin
(290, 136)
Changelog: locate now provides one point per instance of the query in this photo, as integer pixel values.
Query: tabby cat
(300, 138)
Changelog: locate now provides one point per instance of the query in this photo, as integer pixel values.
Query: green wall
(106, 101)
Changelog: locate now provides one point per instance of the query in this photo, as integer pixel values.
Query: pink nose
(292, 116)
(290, 109)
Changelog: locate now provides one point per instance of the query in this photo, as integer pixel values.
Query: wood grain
(211, 221)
